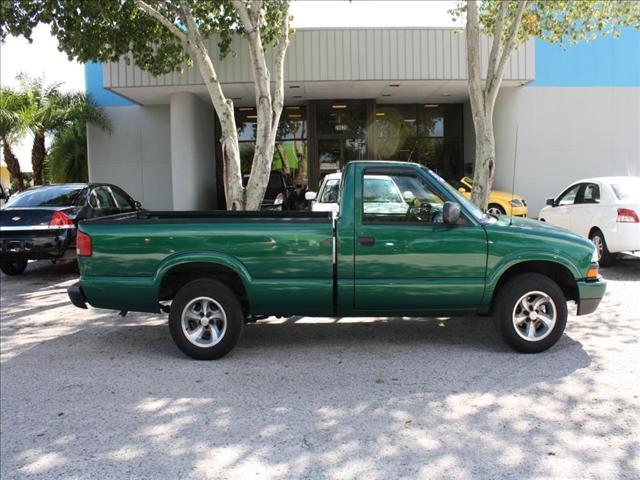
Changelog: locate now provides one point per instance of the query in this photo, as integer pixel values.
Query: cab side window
(399, 197)
(568, 197)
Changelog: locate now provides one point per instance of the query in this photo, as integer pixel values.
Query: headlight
(515, 203)
(279, 200)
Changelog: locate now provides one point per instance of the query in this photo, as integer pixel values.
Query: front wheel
(14, 268)
(205, 319)
(531, 312)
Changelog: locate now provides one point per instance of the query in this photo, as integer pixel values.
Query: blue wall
(605, 62)
(95, 88)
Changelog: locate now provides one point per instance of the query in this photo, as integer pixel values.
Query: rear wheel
(531, 312)
(205, 319)
(605, 258)
(495, 209)
(14, 268)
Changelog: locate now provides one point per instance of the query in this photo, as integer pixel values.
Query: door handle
(366, 241)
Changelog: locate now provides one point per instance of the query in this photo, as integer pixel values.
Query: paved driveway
(87, 394)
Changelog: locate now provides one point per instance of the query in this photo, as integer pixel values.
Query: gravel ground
(87, 394)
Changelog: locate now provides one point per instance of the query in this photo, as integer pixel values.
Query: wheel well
(555, 271)
(180, 275)
(593, 229)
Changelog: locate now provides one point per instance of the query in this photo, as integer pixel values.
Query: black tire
(14, 268)
(507, 303)
(497, 208)
(605, 258)
(229, 304)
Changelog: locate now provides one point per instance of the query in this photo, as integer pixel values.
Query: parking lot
(88, 394)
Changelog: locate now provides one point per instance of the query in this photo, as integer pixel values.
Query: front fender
(509, 261)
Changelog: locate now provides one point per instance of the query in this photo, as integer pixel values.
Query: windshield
(475, 211)
(54, 196)
(329, 193)
(627, 189)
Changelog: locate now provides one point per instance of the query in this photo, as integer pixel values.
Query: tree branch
(278, 92)
(472, 37)
(494, 86)
(246, 18)
(149, 10)
(497, 41)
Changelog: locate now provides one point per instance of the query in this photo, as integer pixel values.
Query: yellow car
(500, 203)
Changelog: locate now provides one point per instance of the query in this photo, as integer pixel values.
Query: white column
(193, 170)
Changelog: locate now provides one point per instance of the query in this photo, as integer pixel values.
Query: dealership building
(375, 93)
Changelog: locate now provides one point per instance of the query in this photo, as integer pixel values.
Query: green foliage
(105, 30)
(565, 22)
(13, 104)
(67, 158)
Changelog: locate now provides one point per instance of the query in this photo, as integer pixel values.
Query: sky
(41, 58)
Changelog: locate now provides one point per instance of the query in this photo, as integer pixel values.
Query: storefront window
(427, 134)
(290, 155)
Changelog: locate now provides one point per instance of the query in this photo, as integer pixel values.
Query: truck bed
(280, 253)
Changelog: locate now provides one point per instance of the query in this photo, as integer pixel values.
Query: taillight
(60, 220)
(626, 215)
(83, 244)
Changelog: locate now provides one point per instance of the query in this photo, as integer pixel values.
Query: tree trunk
(485, 162)
(38, 155)
(268, 112)
(483, 97)
(13, 165)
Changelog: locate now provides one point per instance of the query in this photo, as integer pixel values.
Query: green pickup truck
(402, 243)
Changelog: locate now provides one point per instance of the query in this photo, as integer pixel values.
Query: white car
(326, 200)
(380, 191)
(605, 209)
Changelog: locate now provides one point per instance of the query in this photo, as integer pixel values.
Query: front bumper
(76, 295)
(518, 212)
(590, 294)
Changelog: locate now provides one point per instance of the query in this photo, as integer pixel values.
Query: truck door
(407, 260)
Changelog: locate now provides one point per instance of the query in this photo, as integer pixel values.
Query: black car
(40, 223)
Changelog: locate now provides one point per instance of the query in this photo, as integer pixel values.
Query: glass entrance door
(341, 128)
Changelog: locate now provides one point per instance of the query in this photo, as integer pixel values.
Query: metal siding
(345, 54)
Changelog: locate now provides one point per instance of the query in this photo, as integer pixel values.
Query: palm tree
(67, 157)
(12, 127)
(51, 111)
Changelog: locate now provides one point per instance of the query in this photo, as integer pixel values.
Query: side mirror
(408, 196)
(310, 196)
(551, 202)
(451, 212)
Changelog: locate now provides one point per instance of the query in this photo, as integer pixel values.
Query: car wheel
(14, 268)
(205, 319)
(605, 258)
(496, 209)
(531, 312)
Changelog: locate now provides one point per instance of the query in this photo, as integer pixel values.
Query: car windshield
(627, 189)
(329, 193)
(54, 196)
(475, 211)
